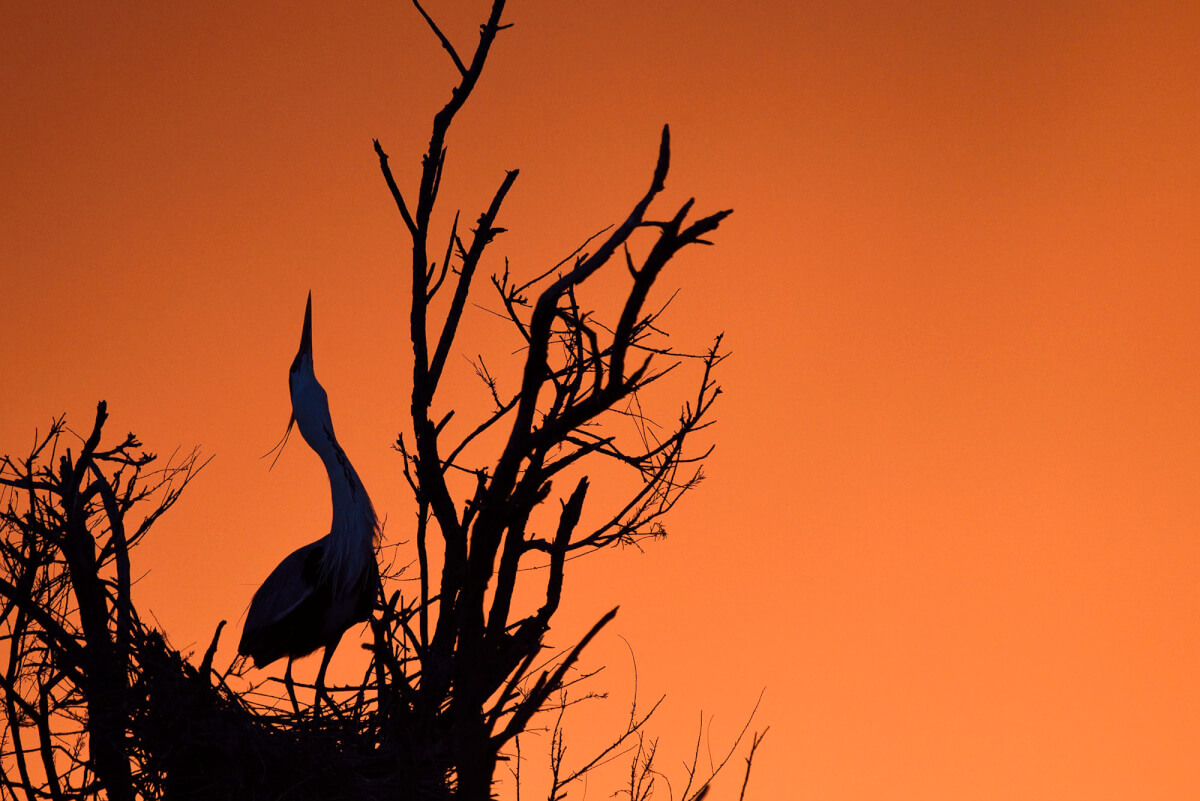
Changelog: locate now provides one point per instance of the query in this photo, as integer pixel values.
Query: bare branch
(442, 38)
(754, 743)
(483, 235)
(395, 190)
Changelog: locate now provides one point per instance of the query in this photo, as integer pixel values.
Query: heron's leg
(320, 688)
(291, 687)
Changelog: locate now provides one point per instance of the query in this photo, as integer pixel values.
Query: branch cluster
(94, 700)
(68, 626)
(472, 656)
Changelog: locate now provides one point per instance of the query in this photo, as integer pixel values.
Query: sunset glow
(951, 524)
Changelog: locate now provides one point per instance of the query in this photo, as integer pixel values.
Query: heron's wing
(290, 584)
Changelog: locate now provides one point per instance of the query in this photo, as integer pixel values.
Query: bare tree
(476, 662)
(68, 624)
(460, 665)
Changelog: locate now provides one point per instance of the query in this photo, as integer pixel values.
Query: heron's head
(310, 405)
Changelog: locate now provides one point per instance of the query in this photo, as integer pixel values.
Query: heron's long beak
(306, 334)
(305, 350)
(305, 339)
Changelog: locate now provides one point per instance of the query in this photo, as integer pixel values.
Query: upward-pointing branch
(484, 234)
(547, 305)
(442, 37)
(395, 190)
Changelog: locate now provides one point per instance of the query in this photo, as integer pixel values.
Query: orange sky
(951, 523)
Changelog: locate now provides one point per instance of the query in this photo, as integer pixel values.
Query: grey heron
(322, 589)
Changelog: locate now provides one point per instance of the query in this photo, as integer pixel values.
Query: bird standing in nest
(319, 591)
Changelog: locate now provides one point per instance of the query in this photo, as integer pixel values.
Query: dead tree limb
(475, 650)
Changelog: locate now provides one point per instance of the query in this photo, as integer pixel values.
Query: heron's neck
(351, 539)
(348, 495)
(352, 529)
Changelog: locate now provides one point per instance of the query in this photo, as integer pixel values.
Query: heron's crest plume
(305, 348)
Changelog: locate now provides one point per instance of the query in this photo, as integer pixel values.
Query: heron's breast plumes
(350, 546)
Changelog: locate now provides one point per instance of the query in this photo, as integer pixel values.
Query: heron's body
(294, 612)
(320, 590)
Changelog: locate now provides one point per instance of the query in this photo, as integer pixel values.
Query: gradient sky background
(951, 522)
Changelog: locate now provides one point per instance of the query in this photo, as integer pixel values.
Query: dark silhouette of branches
(475, 652)
(69, 626)
(97, 702)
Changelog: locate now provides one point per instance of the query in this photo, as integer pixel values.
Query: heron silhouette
(319, 591)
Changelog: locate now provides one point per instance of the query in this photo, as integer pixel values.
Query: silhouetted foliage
(96, 701)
